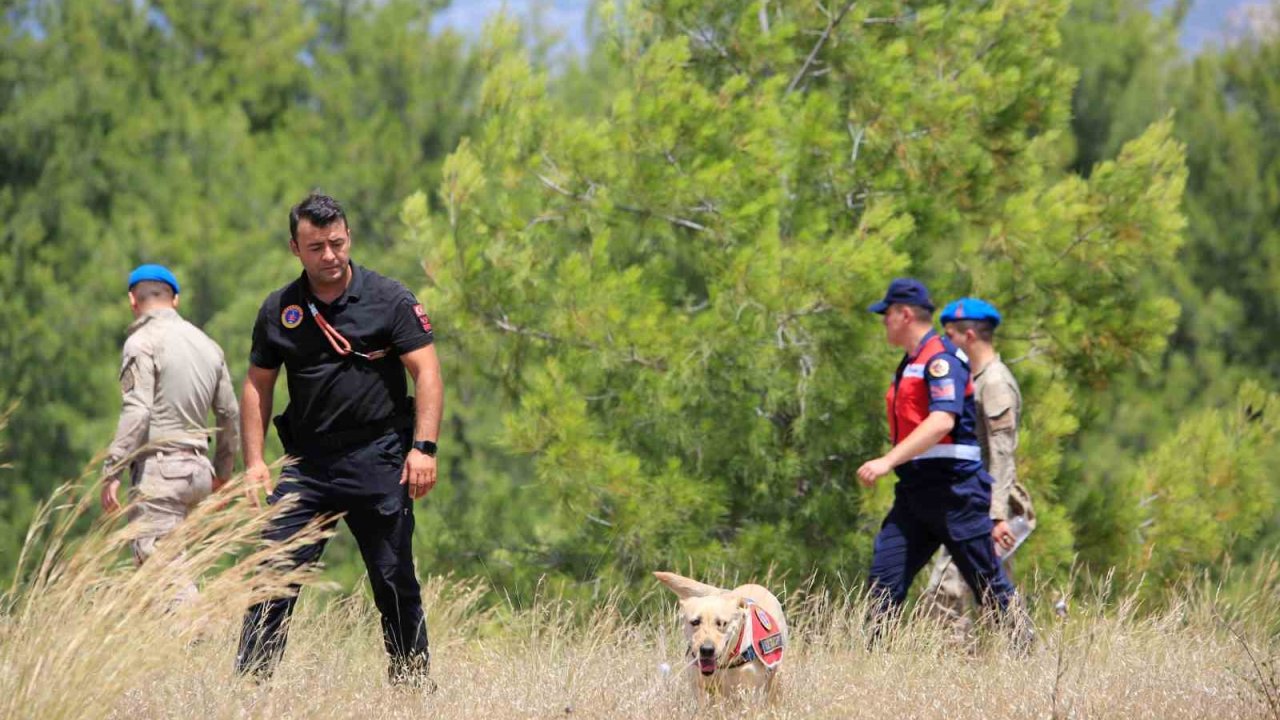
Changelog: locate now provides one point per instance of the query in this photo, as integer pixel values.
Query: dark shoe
(412, 673)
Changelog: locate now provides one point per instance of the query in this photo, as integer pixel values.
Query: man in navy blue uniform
(345, 336)
(943, 496)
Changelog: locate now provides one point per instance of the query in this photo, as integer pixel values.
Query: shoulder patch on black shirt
(422, 318)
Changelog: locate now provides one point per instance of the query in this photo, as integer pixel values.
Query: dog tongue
(707, 665)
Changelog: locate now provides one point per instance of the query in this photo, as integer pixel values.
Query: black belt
(339, 440)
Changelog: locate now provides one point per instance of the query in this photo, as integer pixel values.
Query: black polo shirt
(328, 392)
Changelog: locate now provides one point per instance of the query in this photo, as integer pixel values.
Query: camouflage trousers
(167, 485)
(948, 597)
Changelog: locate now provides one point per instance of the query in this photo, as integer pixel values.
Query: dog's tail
(686, 587)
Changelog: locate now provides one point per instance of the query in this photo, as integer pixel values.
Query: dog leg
(772, 689)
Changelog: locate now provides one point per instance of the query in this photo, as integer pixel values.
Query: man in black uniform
(365, 448)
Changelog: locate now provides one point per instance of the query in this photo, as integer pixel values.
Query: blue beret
(971, 309)
(904, 291)
(156, 273)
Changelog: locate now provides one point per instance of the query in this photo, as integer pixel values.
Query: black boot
(412, 672)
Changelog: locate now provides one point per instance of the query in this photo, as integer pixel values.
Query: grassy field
(86, 636)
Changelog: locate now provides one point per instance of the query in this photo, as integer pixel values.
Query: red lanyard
(340, 344)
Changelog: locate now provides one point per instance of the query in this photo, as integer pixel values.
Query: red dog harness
(760, 639)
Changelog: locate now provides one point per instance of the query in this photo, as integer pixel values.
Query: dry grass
(86, 636)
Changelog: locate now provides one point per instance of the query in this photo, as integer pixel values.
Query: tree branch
(887, 20)
(505, 324)
(709, 38)
(817, 47)
(673, 219)
(682, 222)
(856, 137)
(551, 184)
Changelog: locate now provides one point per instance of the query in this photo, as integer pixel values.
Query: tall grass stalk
(85, 635)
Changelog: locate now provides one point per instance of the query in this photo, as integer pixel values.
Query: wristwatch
(425, 446)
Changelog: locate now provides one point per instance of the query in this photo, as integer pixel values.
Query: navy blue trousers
(364, 484)
(922, 519)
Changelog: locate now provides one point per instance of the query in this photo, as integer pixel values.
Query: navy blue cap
(904, 291)
(971, 309)
(156, 273)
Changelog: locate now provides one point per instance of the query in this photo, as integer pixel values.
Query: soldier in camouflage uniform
(971, 324)
(171, 376)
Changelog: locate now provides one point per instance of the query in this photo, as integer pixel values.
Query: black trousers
(364, 484)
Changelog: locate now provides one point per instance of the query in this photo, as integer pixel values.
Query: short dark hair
(319, 210)
(147, 290)
(984, 329)
(921, 313)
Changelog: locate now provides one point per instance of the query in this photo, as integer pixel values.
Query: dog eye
(720, 623)
(695, 622)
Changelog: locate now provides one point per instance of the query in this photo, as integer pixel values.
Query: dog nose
(707, 649)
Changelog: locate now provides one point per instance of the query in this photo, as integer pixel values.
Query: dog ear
(684, 587)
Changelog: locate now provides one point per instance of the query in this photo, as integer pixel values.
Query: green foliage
(648, 268)
(181, 133)
(1128, 64)
(672, 293)
(1223, 102)
(1231, 109)
(1208, 489)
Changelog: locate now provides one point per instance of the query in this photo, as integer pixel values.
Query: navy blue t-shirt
(935, 377)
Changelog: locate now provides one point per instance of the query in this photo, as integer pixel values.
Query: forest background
(647, 262)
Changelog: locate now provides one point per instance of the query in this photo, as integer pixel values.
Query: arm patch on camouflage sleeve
(128, 377)
(1006, 420)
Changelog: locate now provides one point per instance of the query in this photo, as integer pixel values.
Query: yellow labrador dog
(736, 637)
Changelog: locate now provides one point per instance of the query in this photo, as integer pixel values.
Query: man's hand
(1003, 535)
(419, 473)
(111, 495)
(257, 482)
(873, 470)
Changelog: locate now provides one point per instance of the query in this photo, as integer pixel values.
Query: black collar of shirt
(353, 291)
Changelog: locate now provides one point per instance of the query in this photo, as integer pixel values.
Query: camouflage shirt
(171, 376)
(999, 411)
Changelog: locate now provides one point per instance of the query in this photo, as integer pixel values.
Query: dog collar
(739, 656)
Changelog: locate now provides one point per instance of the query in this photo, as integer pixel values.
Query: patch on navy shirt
(422, 318)
(944, 389)
(939, 367)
